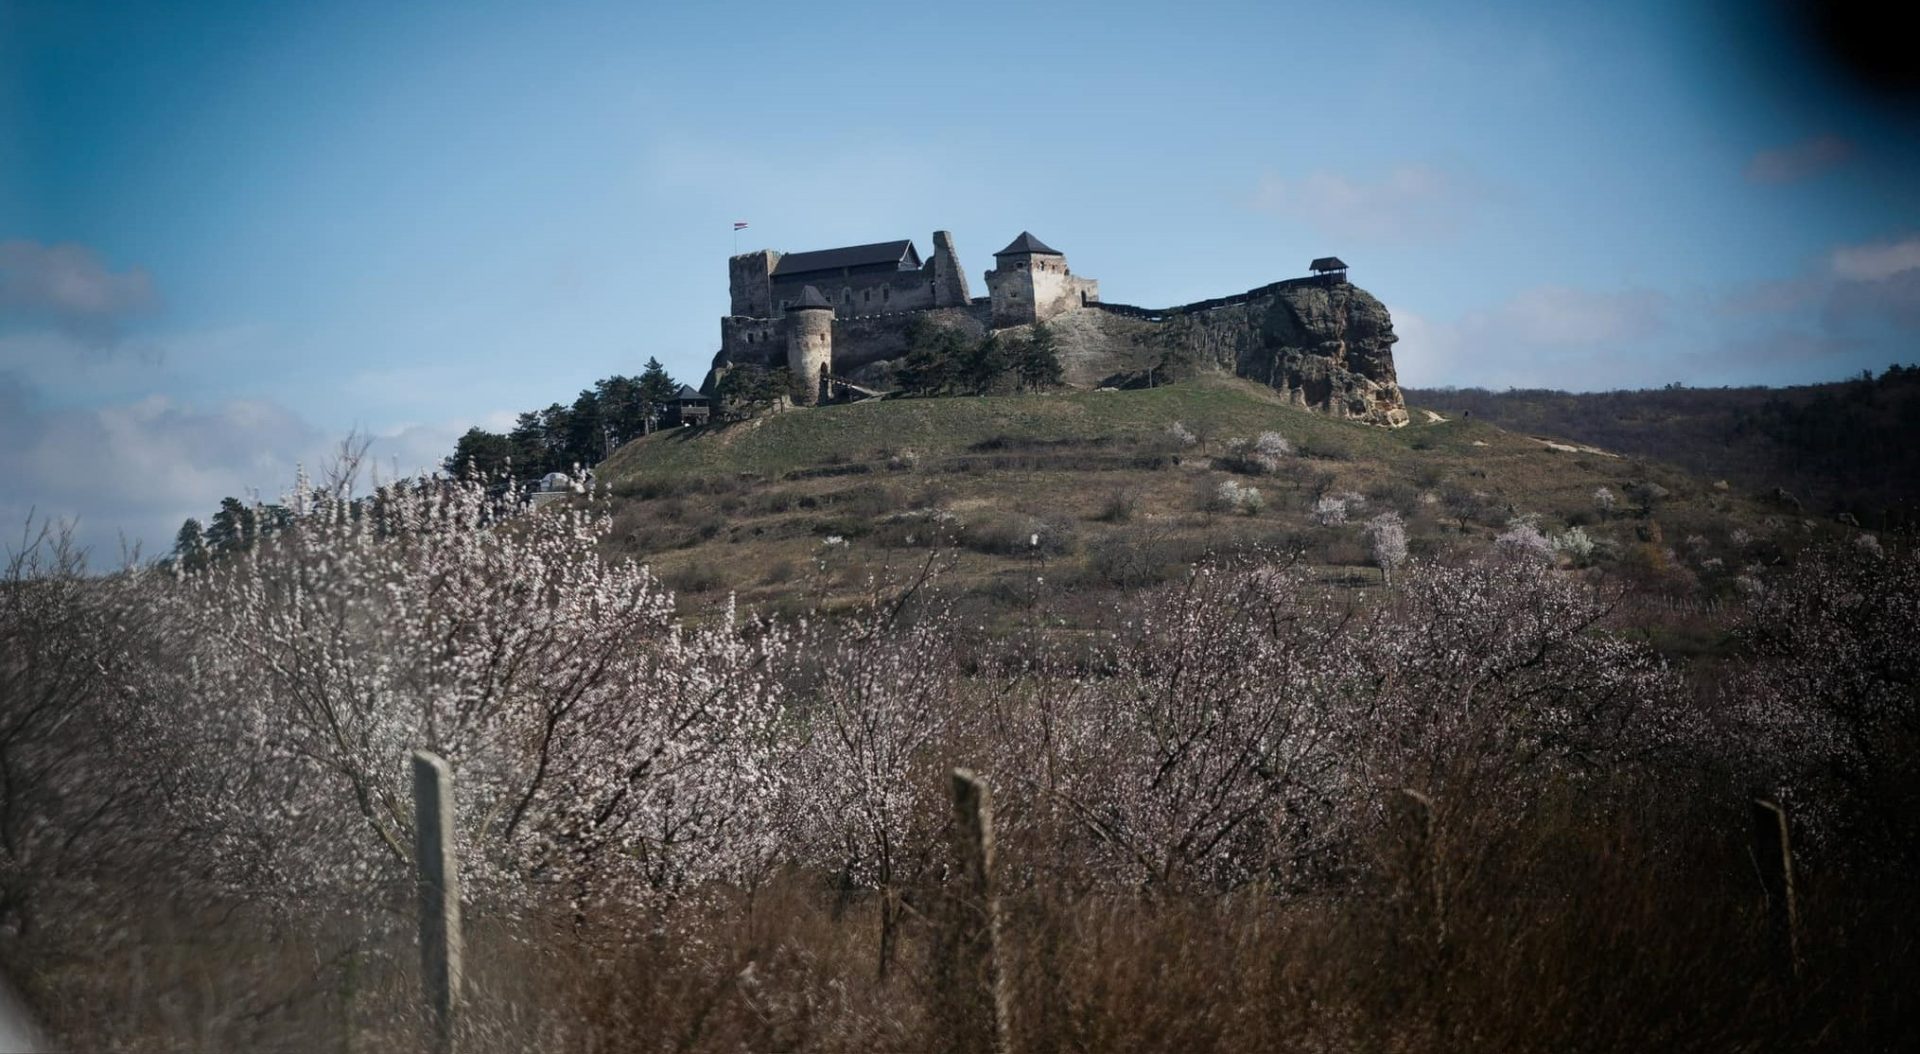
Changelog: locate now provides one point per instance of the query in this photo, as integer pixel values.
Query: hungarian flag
(739, 225)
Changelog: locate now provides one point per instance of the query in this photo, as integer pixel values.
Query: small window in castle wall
(866, 296)
(886, 294)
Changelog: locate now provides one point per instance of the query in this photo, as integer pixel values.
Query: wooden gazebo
(1328, 265)
(691, 407)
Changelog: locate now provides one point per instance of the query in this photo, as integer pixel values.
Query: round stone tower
(810, 345)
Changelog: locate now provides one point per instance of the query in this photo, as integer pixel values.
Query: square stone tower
(750, 281)
(1030, 282)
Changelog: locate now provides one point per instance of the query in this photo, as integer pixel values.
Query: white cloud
(1548, 336)
(71, 287)
(1874, 285)
(1408, 203)
(1798, 161)
(1876, 260)
(1561, 315)
(136, 469)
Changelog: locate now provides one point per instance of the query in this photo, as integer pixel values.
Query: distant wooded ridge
(1843, 447)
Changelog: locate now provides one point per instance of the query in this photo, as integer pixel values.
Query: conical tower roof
(810, 297)
(1027, 243)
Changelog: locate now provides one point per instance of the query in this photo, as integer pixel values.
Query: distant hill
(1845, 447)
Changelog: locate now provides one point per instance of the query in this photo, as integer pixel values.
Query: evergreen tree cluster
(747, 389)
(942, 360)
(233, 529)
(615, 410)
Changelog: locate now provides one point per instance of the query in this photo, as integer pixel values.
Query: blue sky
(231, 232)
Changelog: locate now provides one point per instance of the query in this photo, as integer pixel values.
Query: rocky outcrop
(1328, 345)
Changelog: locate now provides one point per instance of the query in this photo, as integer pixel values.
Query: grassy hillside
(1093, 491)
(1841, 447)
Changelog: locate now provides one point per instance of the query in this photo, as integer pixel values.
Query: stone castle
(838, 320)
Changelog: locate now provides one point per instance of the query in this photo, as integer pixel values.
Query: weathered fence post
(1422, 863)
(438, 878)
(980, 988)
(1773, 857)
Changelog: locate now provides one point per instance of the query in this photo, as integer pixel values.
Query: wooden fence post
(1773, 858)
(1423, 873)
(982, 989)
(438, 879)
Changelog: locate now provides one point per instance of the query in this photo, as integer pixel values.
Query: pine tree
(623, 409)
(747, 389)
(480, 452)
(531, 454)
(933, 358)
(657, 387)
(1038, 361)
(585, 436)
(232, 528)
(190, 546)
(984, 364)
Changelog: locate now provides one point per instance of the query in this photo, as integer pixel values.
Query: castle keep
(838, 320)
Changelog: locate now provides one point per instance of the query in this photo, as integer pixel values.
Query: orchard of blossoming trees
(1482, 807)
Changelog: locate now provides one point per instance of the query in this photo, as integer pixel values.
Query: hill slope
(1098, 491)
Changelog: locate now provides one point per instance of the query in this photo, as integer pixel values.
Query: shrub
(1576, 544)
(1260, 456)
(1523, 541)
(1330, 511)
(1233, 496)
(1119, 507)
(1387, 542)
(1000, 535)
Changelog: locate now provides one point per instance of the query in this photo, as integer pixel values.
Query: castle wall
(856, 342)
(859, 342)
(871, 293)
(1010, 291)
(745, 339)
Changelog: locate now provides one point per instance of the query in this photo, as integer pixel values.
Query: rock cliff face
(1329, 346)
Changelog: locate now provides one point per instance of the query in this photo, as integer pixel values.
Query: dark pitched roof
(810, 297)
(688, 392)
(1328, 263)
(847, 256)
(1027, 243)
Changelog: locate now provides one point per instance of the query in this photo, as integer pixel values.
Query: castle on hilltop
(840, 320)
(806, 303)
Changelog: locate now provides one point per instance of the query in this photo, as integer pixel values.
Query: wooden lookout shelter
(1329, 267)
(692, 407)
